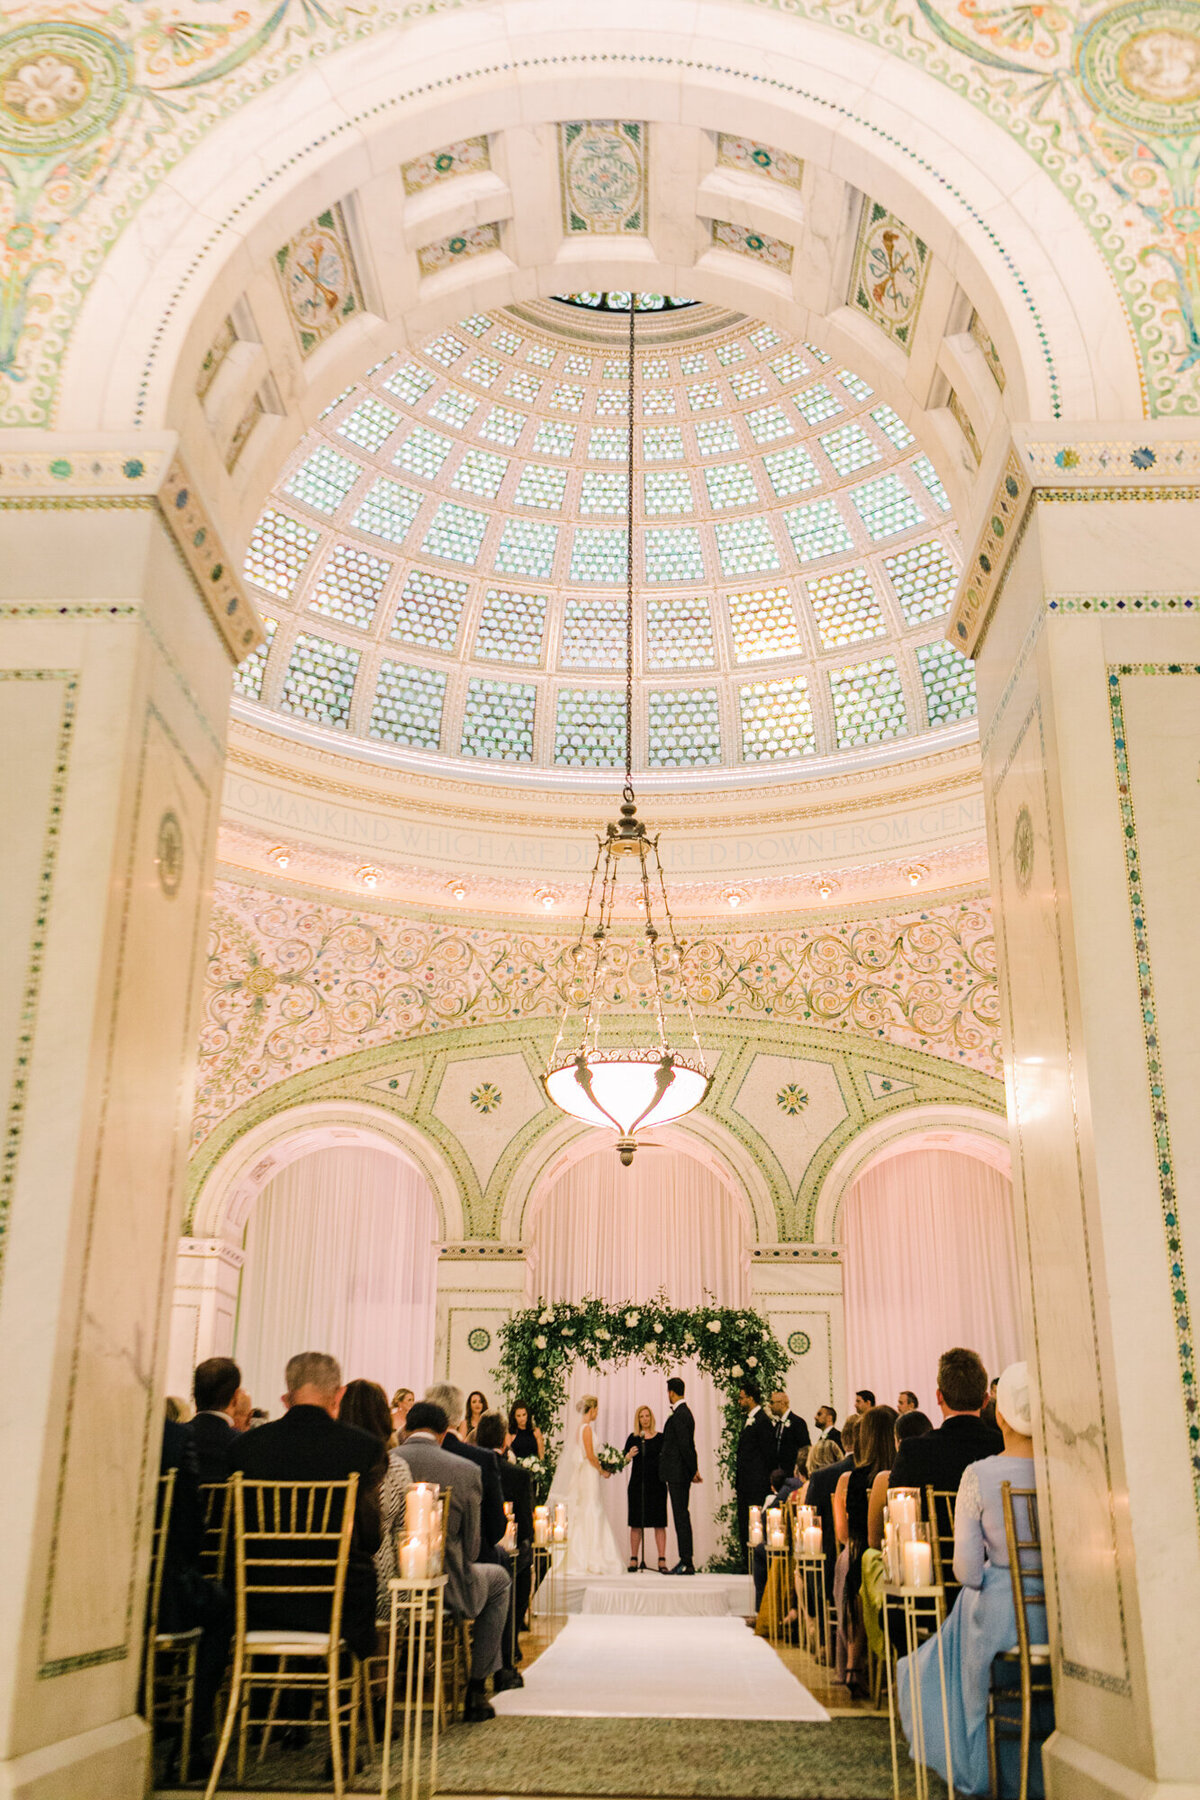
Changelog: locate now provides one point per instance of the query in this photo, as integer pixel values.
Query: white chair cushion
(289, 1643)
(165, 1639)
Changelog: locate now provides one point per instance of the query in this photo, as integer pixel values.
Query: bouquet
(611, 1460)
(538, 1469)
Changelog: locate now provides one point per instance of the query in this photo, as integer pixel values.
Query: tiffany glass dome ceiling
(441, 566)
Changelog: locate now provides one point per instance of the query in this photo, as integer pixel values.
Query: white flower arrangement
(736, 1370)
(605, 1337)
(632, 1319)
(657, 1328)
(752, 1362)
(714, 1324)
(539, 1343)
(539, 1374)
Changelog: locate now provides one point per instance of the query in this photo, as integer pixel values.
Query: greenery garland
(730, 1344)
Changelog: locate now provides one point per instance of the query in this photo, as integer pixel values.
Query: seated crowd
(983, 1441)
(329, 1431)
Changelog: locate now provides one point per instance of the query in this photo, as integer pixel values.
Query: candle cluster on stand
(508, 1542)
(549, 1529)
(776, 1529)
(907, 1549)
(421, 1547)
(809, 1537)
(756, 1527)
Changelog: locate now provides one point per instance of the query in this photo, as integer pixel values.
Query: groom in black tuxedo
(678, 1467)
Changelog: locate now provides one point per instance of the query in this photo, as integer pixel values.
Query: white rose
(538, 1374)
(604, 1336)
(567, 1333)
(539, 1343)
(631, 1319)
(545, 1318)
(736, 1369)
(714, 1324)
(657, 1328)
(752, 1362)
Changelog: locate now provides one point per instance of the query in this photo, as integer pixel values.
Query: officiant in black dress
(647, 1491)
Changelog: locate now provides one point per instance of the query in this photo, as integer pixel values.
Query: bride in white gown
(591, 1546)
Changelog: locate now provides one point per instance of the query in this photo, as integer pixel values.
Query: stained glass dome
(441, 565)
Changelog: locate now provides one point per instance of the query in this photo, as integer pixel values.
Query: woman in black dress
(524, 1437)
(647, 1491)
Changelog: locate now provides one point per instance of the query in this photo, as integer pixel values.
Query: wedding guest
(516, 1485)
(524, 1434)
(680, 1470)
(222, 1412)
(908, 1425)
(821, 1485)
(364, 1405)
(864, 1400)
(476, 1407)
(474, 1589)
(911, 1425)
(492, 1521)
(402, 1399)
(178, 1410)
(647, 1505)
(258, 1416)
(875, 1451)
(310, 1443)
(907, 1402)
(802, 1456)
(938, 1459)
(791, 1432)
(756, 1458)
(189, 1598)
(982, 1622)
(787, 1487)
(826, 1423)
(988, 1410)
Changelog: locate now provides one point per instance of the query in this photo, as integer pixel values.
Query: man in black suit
(188, 1597)
(493, 1524)
(826, 1423)
(756, 1459)
(309, 1444)
(222, 1412)
(517, 1487)
(791, 1431)
(679, 1467)
(938, 1459)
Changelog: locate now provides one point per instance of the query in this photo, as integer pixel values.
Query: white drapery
(930, 1262)
(340, 1256)
(669, 1222)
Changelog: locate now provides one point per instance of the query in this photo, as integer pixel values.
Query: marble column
(121, 623)
(479, 1285)
(798, 1290)
(208, 1274)
(1080, 605)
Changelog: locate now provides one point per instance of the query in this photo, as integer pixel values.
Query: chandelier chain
(633, 299)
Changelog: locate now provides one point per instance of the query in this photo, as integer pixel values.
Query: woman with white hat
(982, 1622)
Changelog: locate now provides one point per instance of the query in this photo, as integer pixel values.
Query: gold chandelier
(625, 1090)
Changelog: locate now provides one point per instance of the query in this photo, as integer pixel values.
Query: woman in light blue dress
(982, 1622)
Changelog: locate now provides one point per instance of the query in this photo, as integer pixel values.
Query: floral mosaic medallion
(486, 1098)
(168, 855)
(319, 280)
(890, 265)
(1140, 64)
(59, 84)
(753, 158)
(603, 170)
(791, 1099)
(466, 157)
(799, 1343)
(1023, 850)
(479, 1339)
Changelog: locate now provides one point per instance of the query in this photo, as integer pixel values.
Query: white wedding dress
(591, 1546)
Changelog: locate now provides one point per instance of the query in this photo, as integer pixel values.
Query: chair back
(164, 1503)
(292, 1542)
(216, 1497)
(939, 1509)
(1022, 1532)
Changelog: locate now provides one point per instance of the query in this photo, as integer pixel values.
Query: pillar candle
(902, 1506)
(812, 1540)
(413, 1559)
(918, 1564)
(756, 1533)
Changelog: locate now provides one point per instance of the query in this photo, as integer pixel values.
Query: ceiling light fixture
(368, 875)
(456, 889)
(280, 855)
(625, 1089)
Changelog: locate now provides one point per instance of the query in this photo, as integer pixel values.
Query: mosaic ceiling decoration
(441, 565)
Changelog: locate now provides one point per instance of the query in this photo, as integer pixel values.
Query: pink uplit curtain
(341, 1256)
(668, 1222)
(930, 1262)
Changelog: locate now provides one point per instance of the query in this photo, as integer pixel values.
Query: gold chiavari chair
(291, 1541)
(169, 1668)
(939, 1510)
(215, 1497)
(1031, 1659)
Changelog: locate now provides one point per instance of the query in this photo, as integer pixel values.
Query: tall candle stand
(911, 1593)
(417, 1597)
(808, 1555)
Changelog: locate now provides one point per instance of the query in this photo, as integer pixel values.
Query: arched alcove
(673, 1222)
(341, 1255)
(930, 1260)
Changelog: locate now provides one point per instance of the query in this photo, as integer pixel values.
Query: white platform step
(663, 1596)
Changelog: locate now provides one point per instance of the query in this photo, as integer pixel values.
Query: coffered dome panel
(442, 563)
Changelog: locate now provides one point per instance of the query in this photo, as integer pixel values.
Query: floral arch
(730, 1344)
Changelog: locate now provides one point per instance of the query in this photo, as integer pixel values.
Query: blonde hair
(637, 1416)
(586, 1403)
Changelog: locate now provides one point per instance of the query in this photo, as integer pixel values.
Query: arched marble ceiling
(442, 563)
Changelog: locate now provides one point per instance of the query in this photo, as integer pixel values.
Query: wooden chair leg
(1026, 1730)
(189, 1711)
(235, 1688)
(335, 1728)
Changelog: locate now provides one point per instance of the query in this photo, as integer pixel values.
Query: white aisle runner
(623, 1667)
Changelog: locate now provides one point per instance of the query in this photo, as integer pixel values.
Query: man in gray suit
(474, 1590)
